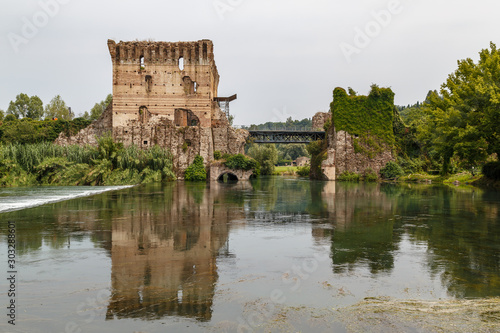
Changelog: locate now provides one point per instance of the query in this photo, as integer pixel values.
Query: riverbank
(459, 179)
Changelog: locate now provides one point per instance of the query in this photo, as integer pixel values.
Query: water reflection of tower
(362, 226)
(164, 259)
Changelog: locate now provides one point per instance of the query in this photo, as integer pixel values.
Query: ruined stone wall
(347, 159)
(319, 120)
(150, 76)
(217, 169)
(89, 134)
(361, 136)
(341, 156)
(183, 142)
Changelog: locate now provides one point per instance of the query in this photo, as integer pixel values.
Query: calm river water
(275, 254)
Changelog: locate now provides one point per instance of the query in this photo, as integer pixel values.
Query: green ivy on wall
(370, 118)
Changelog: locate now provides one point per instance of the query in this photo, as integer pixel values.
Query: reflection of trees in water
(279, 196)
(462, 231)
(460, 227)
(364, 231)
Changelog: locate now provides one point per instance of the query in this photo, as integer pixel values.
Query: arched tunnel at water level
(227, 177)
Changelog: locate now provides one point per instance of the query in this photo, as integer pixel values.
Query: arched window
(149, 83)
(181, 63)
(143, 66)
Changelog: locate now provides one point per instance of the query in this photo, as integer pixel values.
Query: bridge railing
(275, 128)
(284, 136)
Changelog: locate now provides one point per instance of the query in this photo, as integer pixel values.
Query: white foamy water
(16, 198)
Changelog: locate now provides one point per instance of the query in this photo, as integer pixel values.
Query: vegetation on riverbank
(107, 164)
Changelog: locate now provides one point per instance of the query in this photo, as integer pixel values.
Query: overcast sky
(282, 57)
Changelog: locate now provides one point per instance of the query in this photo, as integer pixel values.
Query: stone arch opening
(144, 114)
(227, 177)
(181, 63)
(142, 65)
(149, 83)
(185, 117)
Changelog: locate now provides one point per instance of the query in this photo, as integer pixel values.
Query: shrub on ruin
(196, 171)
(240, 162)
(217, 155)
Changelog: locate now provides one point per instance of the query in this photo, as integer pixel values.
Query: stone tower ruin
(175, 81)
(166, 94)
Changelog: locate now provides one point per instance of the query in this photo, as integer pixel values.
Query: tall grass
(109, 163)
(28, 156)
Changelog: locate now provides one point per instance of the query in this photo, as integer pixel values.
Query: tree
(26, 106)
(293, 150)
(99, 108)
(464, 122)
(2, 114)
(57, 109)
(266, 156)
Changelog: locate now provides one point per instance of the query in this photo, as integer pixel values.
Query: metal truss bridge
(286, 136)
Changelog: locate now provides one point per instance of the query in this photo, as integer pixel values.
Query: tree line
(31, 107)
(27, 121)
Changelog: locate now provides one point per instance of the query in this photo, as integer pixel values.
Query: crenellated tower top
(193, 53)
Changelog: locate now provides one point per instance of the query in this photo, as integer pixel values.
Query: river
(277, 254)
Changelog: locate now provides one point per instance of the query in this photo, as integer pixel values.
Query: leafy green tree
(99, 108)
(266, 156)
(2, 114)
(465, 120)
(57, 109)
(292, 151)
(26, 106)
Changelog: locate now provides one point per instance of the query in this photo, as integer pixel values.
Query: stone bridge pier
(218, 170)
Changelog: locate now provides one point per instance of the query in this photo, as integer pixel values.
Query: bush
(492, 170)
(217, 155)
(303, 171)
(370, 175)
(348, 176)
(196, 171)
(391, 170)
(240, 162)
